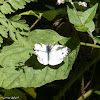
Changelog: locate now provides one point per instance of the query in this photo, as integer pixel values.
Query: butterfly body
(51, 54)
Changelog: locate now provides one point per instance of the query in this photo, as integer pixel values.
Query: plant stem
(34, 23)
(90, 33)
(90, 45)
(87, 94)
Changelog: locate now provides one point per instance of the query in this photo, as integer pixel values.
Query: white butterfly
(51, 54)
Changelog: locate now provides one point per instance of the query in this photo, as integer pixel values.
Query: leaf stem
(34, 23)
(90, 45)
(87, 94)
(90, 33)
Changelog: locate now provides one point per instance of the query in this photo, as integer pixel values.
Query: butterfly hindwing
(57, 54)
(40, 51)
(51, 55)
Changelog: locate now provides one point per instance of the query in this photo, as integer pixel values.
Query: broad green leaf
(50, 15)
(90, 25)
(81, 28)
(42, 36)
(89, 14)
(12, 53)
(83, 21)
(73, 17)
(1, 1)
(19, 64)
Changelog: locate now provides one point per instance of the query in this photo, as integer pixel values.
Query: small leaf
(30, 91)
(97, 92)
(6, 8)
(29, 13)
(3, 31)
(97, 39)
(1, 40)
(81, 28)
(91, 26)
(1, 97)
(9, 6)
(50, 15)
(73, 17)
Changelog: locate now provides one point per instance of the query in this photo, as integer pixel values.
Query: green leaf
(73, 17)
(29, 13)
(19, 64)
(12, 26)
(89, 14)
(83, 21)
(6, 8)
(30, 91)
(21, 24)
(90, 25)
(81, 28)
(42, 36)
(12, 54)
(50, 15)
(1, 97)
(97, 39)
(16, 26)
(1, 40)
(9, 6)
(97, 92)
(14, 94)
(3, 31)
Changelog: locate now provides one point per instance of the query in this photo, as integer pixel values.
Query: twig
(82, 88)
(90, 45)
(87, 94)
(34, 23)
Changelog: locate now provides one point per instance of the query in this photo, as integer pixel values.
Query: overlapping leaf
(9, 6)
(19, 68)
(83, 21)
(12, 26)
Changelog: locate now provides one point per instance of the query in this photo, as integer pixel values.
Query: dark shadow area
(33, 62)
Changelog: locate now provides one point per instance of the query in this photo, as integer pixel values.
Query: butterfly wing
(57, 54)
(42, 55)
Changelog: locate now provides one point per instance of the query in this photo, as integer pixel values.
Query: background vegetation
(26, 22)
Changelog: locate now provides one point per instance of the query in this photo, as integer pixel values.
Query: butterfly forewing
(57, 54)
(52, 55)
(41, 52)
